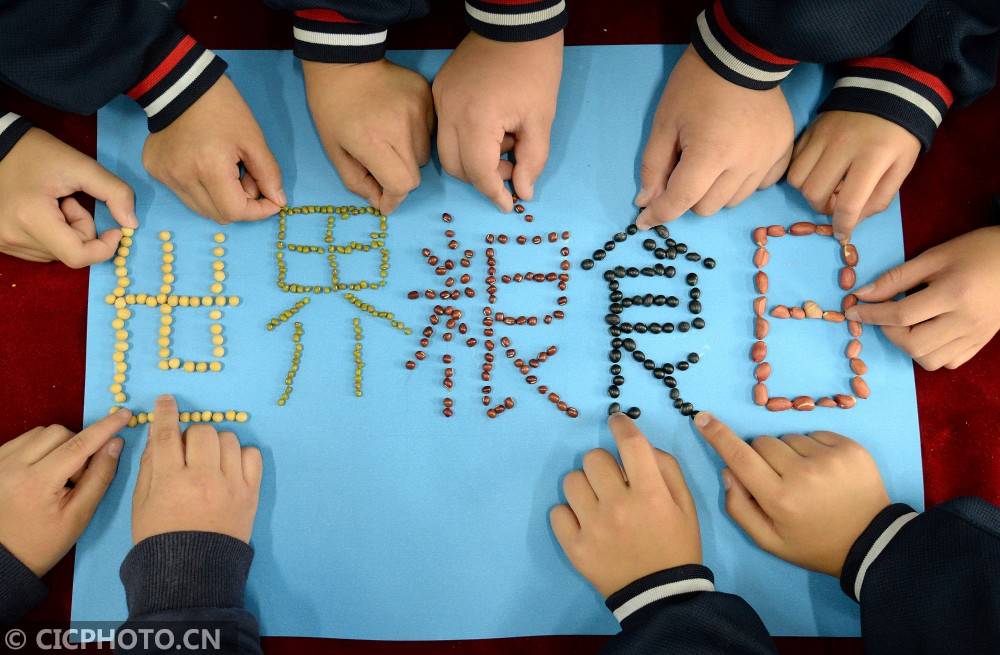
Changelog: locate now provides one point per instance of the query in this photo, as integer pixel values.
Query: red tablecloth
(43, 331)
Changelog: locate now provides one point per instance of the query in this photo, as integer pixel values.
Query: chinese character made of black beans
(618, 302)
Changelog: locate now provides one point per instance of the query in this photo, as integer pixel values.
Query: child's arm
(637, 542)
(41, 517)
(136, 49)
(39, 218)
(192, 516)
(927, 583)
(953, 314)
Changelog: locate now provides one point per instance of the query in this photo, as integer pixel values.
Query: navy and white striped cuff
(735, 57)
(894, 90)
(184, 73)
(12, 128)
(328, 36)
(516, 20)
(872, 542)
(635, 599)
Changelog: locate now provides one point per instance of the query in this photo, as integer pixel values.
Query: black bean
(628, 344)
(632, 228)
(671, 243)
(693, 358)
(613, 286)
(691, 279)
(638, 356)
(647, 271)
(682, 248)
(615, 355)
(614, 330)
(608, 275)
(612, 319)
(626, 328)
(698, 323)
(614, 408)
(695, 293)
(678, 403)
(669, 368)
(670, 381)
(626, 302)
(616, 296)
(617, 308)
(587, 264)
(683, 326)
(632, 271)
(647, 300)
(683, 366)
(660, 253)
(667, 328)
(620, 236)
(618, 380)
(659, 268)
(616, 343)
(660, 300)
(670, 271)
(633, 413)
(671, 253)
(599, 255)
(673, 301)
(637, 299)
(687, 409)
(649, 245)
(675, 394)
(659, 373)
(619, 271)
(655, 328)
(614, 391)
(609, 245)
(695, 306)
(649, 365)
(708, 263)
(662, 231)
(641, 328)
(615, 369)
(692, 257)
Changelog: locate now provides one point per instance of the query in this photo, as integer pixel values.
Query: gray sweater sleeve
(20, 588)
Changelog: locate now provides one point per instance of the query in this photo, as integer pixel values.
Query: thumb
(99, 183)
(658, 160)
(898, 280)
(531, 151)
(262, 165)
(747, 513)
(96, 479)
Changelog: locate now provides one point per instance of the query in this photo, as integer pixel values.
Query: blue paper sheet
(381, 519)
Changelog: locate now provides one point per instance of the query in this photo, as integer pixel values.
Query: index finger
(693, 175)
(480, 155)
(911, 310)
(223, 184)
(638, 458)
(72, 455)
(164, 441)
(68, 246)
(744, 462)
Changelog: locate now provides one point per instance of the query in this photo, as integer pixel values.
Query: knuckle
(593, 457)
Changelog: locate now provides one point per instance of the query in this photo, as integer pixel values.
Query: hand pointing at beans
(953, 315)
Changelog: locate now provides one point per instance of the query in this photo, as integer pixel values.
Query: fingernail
(132, 220)
(852, 314)
(727, 479)
(865, 290)
(641, 198)
(115, 447)
(702, 419)
(282, 198)
(642, 220)
(614, 414)
(839, 236)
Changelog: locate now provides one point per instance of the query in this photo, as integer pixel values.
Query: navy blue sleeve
(678, 611)
(12, 128)
(20, 588)
(77, 55)
(191, 581)
(929, 583)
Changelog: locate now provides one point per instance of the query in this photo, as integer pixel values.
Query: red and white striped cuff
(328, 36)
(177, 79)
(735, 57)
(894, 90)
(12, 128)
(516, 20)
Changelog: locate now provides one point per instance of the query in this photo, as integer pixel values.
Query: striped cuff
(866, 549)
(12, 128)
(516, 20)
(639, 597)
(328, 36)
(894, 90)
(177, 79)
(735, 57)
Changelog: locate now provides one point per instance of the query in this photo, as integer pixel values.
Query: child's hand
(805, 499)
(203, 482)
(375, 121)
(850, 164)
(955, 312)
(41, 517)
(40, 220)
(492, 97)
(198, 156)
(713, 143)
(615, 532)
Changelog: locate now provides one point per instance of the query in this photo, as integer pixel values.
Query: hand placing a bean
(850, 165)
(40, 220)
(713, 143)
(41, 517)
(803, 498)
(203, 481)
(617, 528)
(953, 314)
(375, 121)
(493, 97)
(198, 157)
